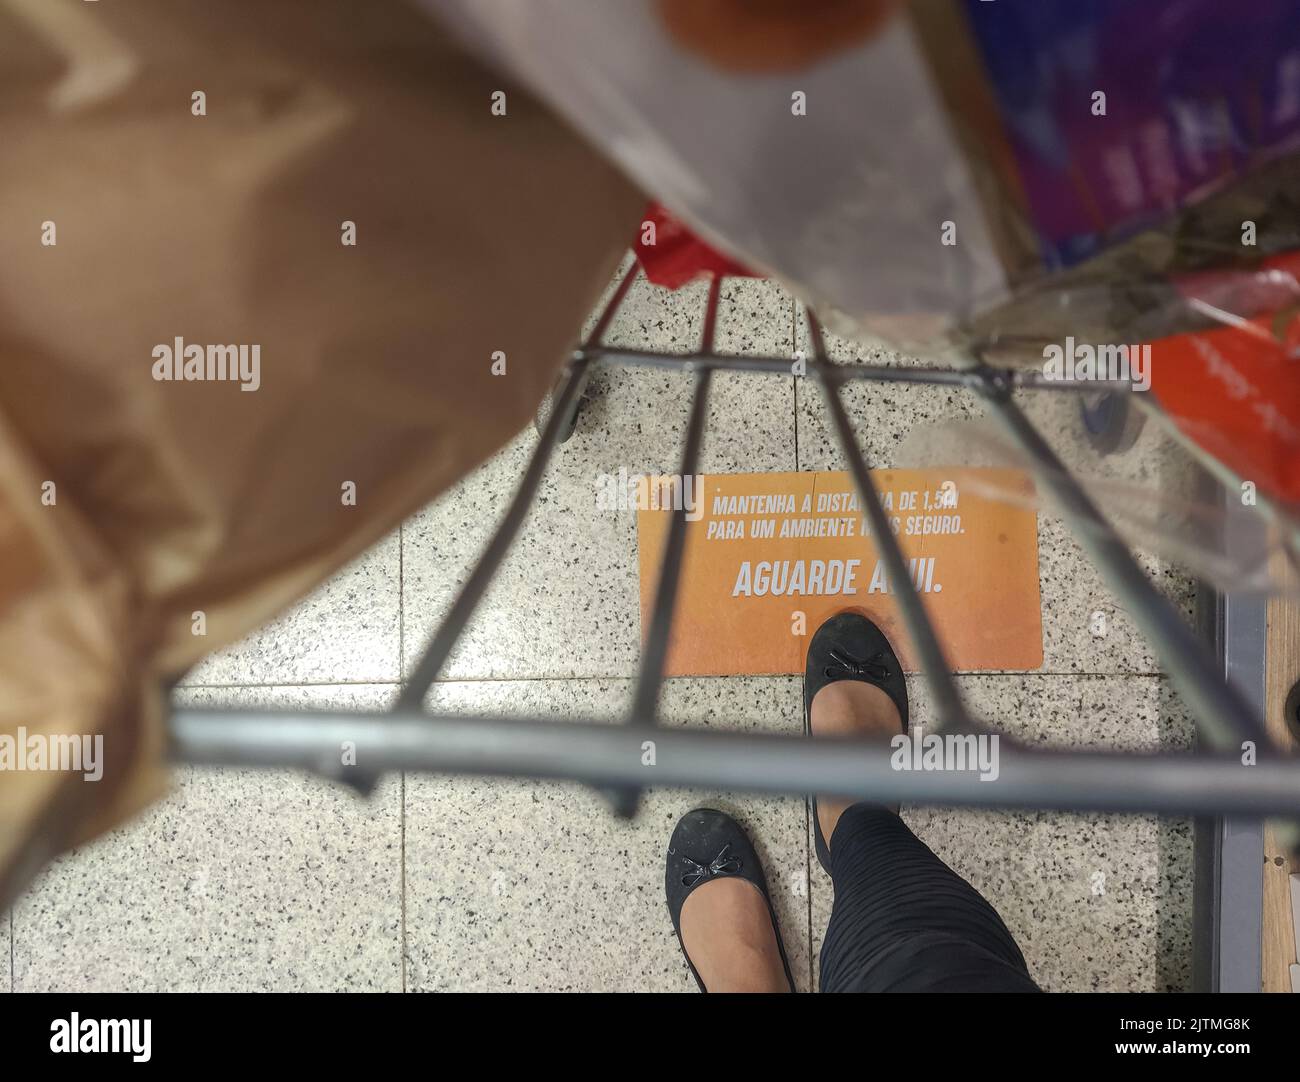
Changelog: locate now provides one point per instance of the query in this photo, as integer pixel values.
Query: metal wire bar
(934, 664)
(1019, 378)
(449, 631)
(606, 317)
(454, 623)
(601, 753)
(1222, 713)
(655, 650)
(775, 365)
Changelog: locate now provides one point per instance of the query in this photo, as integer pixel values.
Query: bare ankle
(846, 709)
(853, 708)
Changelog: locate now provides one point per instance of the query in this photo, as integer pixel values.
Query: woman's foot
(717, 897)
(853, 689)
(848, 708)
(727, 933)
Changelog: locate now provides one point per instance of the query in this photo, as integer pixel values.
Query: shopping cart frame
(612, 754)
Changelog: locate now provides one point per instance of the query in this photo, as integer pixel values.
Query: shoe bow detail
(847, 665)
(719, 865)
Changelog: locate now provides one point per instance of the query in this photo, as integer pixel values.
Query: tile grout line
(1037, 674)
(402, 875)
(401, 809)
(808, 887)
(796, 342)
(794, 382)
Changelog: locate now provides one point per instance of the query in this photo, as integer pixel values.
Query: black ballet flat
(708, 845)
(848, 646)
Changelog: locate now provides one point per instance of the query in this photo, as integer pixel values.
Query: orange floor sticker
(769, 556)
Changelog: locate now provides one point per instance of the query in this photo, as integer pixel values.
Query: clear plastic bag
(978, 182)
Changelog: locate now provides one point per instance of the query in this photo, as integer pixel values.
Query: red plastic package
(677, 256)
(1235, 391)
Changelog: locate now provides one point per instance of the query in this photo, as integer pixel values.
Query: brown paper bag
(129, 502)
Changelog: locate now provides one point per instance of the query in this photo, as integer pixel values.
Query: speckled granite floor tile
(6, 956)
(345, 631)
(650, 317)
(1096, 902)
(589, 324)
(239, 880)
(755, 317)
(519, 885)
(847, 350)
(566, 601)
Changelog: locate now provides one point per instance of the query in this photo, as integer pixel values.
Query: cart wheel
(543, 414)
(1111, 422)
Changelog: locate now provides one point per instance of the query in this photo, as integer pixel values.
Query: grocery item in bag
(256, 259)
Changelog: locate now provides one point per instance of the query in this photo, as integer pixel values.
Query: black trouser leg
(903, 921)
